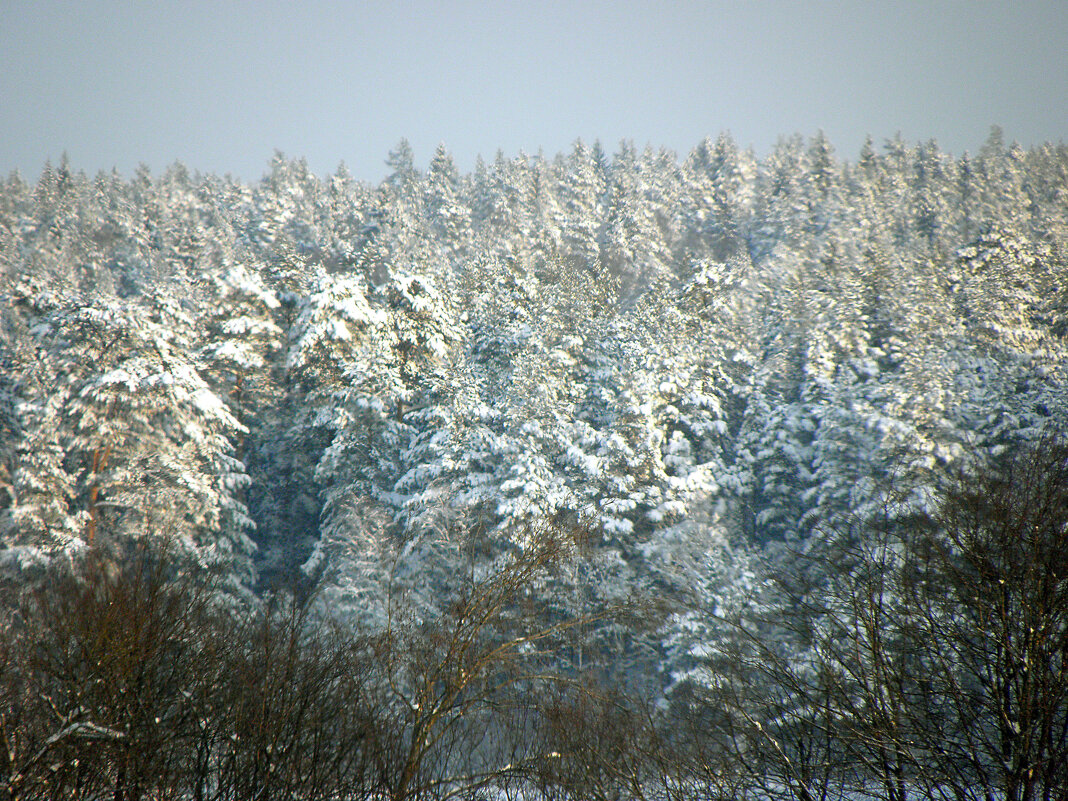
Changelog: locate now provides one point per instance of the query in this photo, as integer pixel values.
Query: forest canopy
(697, 364)
(704, 431)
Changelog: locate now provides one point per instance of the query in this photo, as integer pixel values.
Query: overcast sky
(221, 85)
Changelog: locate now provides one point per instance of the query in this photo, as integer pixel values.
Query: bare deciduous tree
(456, 709)
(930, 656)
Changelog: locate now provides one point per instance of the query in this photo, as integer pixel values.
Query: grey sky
(220, 85)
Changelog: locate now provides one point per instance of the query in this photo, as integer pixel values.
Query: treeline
(308, 374)
(703, 374)
(929, 659)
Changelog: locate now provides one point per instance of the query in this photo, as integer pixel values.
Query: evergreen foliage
(698, 367)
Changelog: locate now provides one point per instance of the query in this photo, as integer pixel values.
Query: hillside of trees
(703, 432)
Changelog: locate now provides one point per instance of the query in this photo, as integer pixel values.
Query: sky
(221, 86)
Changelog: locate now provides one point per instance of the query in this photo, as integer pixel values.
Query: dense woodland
(722, 464)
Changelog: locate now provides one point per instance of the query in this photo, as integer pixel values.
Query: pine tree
(447, 216)
(129, 442)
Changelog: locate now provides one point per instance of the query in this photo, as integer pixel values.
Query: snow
(675, 354)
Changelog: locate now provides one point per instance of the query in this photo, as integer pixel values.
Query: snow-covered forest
(693, 375)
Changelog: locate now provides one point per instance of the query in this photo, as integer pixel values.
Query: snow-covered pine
(127, 441)
(720, 348)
